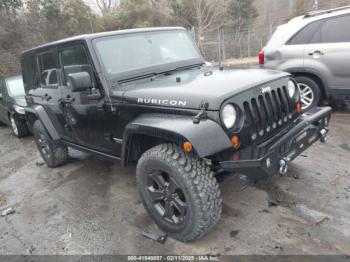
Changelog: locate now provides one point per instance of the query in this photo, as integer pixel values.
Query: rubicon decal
(162, 102)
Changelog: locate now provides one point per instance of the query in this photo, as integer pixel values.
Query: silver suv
(315, 48)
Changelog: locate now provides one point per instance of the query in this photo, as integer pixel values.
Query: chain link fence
(226, 44)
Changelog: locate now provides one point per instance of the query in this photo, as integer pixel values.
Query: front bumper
(274, 155)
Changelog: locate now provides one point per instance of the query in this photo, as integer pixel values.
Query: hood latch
(202, 113)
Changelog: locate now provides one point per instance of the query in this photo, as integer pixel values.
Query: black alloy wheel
(168, 198)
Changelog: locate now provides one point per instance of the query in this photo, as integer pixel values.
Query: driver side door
(85, 114)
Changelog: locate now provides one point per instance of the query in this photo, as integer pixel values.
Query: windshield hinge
(202, 113)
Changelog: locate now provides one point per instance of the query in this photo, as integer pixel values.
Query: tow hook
(323, 134)
(284, 166)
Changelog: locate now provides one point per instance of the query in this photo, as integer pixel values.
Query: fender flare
(207, 137)
(48, 120)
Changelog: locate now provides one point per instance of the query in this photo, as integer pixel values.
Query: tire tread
(201, 181)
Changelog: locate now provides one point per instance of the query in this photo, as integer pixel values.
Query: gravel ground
(91, 206)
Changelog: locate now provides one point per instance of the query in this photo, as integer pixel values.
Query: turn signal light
(236, 142)
(187, 146)
(298, 107)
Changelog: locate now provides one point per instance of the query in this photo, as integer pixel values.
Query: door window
(336, 30)
(48, 65)
(75, 60)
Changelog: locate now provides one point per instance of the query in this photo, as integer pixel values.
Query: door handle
(47, 97)
(316, 53)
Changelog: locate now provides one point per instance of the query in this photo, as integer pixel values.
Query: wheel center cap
(167, 193)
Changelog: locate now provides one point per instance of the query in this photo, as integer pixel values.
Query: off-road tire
(19, 126)
(55, 153)
(198, 183)
(316, 89)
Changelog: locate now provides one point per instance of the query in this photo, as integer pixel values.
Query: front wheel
(53, 152)
(19, 126)
(179, 191)
(310, 92)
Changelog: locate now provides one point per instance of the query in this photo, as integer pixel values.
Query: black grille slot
(249, 117)
(264, 112)
(268, 112)
(257, 114)
(272, 110)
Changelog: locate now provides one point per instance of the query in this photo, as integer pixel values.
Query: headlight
(291, 89)
(19, 109)
(229, 116)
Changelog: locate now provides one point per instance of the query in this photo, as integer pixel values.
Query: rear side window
(336, 30)
(305, 35)
(2, 86)
(30, 72)
(48, 64)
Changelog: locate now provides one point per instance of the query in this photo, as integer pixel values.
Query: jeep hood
(188, 89)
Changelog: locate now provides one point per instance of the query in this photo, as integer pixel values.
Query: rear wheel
(179, 191)
(19, 126)
(310, 92)
(53, 152)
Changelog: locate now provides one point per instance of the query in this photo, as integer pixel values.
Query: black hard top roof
(103, 34)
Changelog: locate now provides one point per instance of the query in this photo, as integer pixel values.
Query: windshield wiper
(139, 77)
(183, 68)
(134, 78)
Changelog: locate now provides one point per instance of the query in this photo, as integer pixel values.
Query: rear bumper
(274, 155)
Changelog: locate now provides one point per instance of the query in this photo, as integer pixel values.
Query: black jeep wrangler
(144, 97)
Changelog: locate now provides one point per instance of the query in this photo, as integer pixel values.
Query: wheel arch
(316, 78)
(48, 120)
(150, 130)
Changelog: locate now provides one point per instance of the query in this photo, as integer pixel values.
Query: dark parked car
(315, 48)
(144, 97)
(12, 103)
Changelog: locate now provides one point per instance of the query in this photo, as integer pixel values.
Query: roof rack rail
(316, 13)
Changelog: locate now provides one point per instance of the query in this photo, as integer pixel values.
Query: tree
(200, 14)
(55, 19)
(183, 13)
(301, 7)
(106, 6)
(10, 6)
(136, 13)
(79, 18)
(242, 14)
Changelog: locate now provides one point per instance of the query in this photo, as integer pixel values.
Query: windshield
(141, 51)
(15, 86)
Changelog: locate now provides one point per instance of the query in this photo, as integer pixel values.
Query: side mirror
(79, 82)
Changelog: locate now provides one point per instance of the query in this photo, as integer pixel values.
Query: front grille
(268, 112)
